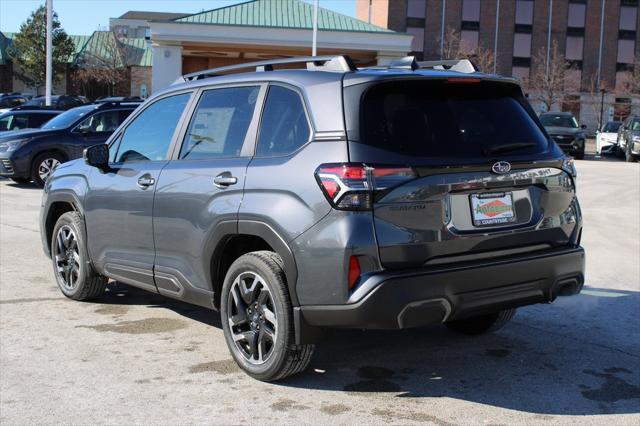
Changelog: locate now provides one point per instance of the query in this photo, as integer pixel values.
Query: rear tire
(481, 324)
(628, 156)
(580, 155)
(257, 318)
(74, 275)
(43, 165)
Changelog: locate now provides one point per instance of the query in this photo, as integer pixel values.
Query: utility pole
(546, 72)
(49, 59)
(601, 39)
(602, 91)
(495, 41)
(442, 30)
(314, 48)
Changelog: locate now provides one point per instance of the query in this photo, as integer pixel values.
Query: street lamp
(602, 92)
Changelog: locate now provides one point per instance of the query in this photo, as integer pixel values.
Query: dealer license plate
(492, 209)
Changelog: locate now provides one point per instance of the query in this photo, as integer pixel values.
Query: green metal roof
(101, 44)
(295, 14)
(138, 50)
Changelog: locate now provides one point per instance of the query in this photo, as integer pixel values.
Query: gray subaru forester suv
(329, 196)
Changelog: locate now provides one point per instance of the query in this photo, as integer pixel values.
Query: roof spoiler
(410, 63)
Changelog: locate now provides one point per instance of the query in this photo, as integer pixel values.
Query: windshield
(67, 118)
(558, 120)
(441, 119)
(612, 127)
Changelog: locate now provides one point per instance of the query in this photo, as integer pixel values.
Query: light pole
(49, 60)
(314, 47)
(602, 91)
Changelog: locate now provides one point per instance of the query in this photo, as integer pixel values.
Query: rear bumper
(394, 300)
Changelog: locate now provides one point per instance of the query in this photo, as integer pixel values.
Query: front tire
(74, 274)
(43, 165)
(257, 318)
(482, 324)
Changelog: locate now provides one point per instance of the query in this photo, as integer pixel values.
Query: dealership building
(264, 29)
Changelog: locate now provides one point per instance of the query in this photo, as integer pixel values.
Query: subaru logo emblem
(501, 167)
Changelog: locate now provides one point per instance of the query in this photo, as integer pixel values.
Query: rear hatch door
(479, 178)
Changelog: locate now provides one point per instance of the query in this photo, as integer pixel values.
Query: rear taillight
(350, 186)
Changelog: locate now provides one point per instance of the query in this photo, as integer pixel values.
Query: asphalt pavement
(135, 357)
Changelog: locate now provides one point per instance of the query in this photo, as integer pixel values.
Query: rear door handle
(146, 181)
(224, 180)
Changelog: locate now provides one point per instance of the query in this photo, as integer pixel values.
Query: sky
(82, 17)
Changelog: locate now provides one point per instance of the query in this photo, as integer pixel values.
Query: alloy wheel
(67, 257)
(252, 318)
(46, 167)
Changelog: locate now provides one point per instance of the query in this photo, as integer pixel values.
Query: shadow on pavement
(567, 358)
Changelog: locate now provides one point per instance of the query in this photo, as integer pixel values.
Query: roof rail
(410, 62)
(341, 63)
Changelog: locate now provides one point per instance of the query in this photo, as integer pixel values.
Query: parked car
(25, 119)
(62, 102)
(31, 155)
(104, 99)
(292, 200)
(607, 138)
(629, 138)
(565, 131)
(11, 101)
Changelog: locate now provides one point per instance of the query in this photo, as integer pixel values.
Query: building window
(625, 51)
(522, 45)
(573, 51)
(417, 44)
(520, 73)
(469, 41)
(471, 10)
(416, 8)
(524, 12)
(577, 13)
(628, 18)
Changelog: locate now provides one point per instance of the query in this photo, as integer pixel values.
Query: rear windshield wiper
(495, 149)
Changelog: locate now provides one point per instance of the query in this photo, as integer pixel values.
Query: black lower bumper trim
(403, 300)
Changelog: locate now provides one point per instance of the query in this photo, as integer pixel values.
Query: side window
(148, 136)
(284, 127)
(37, 120)
(101, 122)
(220, 123)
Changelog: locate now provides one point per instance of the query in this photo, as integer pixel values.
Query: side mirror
(583, 126)
(97, 156)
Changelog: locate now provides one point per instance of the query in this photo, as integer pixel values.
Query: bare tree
(454, 48)
(106, 63)
(631, 83)
(547, 81)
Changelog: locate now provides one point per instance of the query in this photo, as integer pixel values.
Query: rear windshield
(612, 127)
(558, 120)
(447, 119)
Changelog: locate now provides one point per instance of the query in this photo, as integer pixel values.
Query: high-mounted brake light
(463, 80)
(347, 187)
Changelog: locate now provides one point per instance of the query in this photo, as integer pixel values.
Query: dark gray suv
(296, 200)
